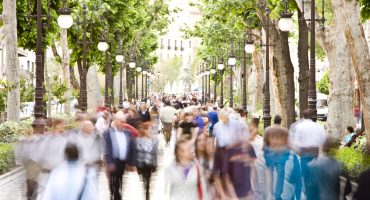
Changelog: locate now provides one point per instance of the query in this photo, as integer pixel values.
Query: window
(182, 48)
(189, 44)
(175, 44)
(162, 46)
(169, 44)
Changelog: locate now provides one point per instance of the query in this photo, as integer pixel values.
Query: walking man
(166, 115)
(119, 154)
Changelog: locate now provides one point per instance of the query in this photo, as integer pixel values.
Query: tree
(12, 69)
(224, 19)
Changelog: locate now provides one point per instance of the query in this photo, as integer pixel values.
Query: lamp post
(83, 87)
(138, 70)
(221, 67)
(202, 76)
(142, 85)
(120, 59)
(266, 102)
(213, 72)
(244, 102)
(132, 66)
(208, 82)
(103, 47)
(231, 63)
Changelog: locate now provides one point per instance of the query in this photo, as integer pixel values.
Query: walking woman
(146, 152)
(184, 177)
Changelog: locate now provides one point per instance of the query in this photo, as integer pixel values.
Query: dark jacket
(108, 150)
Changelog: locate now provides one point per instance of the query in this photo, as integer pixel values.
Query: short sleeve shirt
(238, 169)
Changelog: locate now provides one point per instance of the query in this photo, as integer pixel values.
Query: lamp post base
(38, 126)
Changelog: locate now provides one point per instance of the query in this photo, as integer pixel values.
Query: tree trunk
(12, 62)
(48, 87)
(259, 80)
(93, 89)
(358, 50)
(303, 78)
(130, 83)
(341, 89)
(283, 72)
(66, 73)
(73, 79)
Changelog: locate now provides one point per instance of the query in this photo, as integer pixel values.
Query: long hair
(177, 147)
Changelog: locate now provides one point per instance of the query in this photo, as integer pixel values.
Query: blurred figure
(253, 128)
(144, 114)
(102, 123)
(89, 143)
(277, 120)
(327, 172)
(132, 118)
(212, 120)
(68, 181)
(155, 119)
(146, 153)
(188, 128)
(166, 115)
(234, 159)
(185, 178)
(350, 132)
(363, 192)
(283, 177)
(308, 139)
(204, 151)
(119, 154)
(198, 119)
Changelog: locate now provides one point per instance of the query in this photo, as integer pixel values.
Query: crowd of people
(218, 154)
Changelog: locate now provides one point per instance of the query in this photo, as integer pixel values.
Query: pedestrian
(155, 119)
(119, 154)
(68, 180)
(283, 173)
(185, 178)
(363, 192)
(146, 155)
(167, 115)
(198, 119)
(234, 159)
(307, 140)
(188, 128)
(212, 119)
(350, 132)
(102, 122)
(143, 113)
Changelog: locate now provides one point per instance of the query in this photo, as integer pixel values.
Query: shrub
(10, 131)
(361, 144)
(6, 157)
(354, 162)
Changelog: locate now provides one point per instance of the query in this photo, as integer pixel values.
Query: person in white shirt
(308, 139)
(166, 115)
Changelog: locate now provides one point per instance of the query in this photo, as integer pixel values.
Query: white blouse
(180, 188)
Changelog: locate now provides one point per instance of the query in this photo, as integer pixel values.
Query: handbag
(199, 184)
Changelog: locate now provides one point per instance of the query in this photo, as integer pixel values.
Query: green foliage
(354, 162)
(170, 71)
(10, 131)
(361, 144)
(27, 92)
(365, 9)
(6, 157)
(58, 89)
(323, 84)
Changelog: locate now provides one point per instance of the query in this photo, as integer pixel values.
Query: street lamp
(119, 59)
(249, 47)
(38, 124)
(221, 67)
(266, 104)
(231, 62)
(103, 46)
(286, 22)
(312, 96)
(65, 19)
(213, 71)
